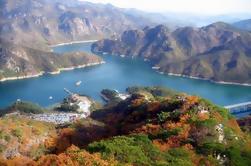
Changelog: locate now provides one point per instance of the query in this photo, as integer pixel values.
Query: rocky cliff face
(217, 52)
(39, 22)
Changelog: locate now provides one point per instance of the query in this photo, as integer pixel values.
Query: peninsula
(19, 62)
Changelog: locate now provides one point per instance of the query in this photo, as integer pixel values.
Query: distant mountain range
(244, 24)
(216, 52)
(28, 27)
(36, 23)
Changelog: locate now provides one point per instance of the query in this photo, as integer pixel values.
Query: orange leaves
(18, 161)
(55, 160)
(73, 156)
(82, 157)
(191, 100)
(184, 118)
(188, 147)
(149, 129)
(162, 145)
(171, 125)
(64, 139)
(232, 123)
(202, 116)
(66, 132)
(173, 142)
(217, 116)
(184, 133)
(60, 142)
(50, 143)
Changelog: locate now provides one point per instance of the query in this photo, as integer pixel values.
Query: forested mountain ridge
(217, 52)
(155, 126)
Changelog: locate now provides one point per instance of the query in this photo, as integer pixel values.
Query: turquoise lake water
(118, 73)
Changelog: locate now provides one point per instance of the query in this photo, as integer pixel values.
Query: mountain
(217, 52)
(154, 126)
(244, 24)
(36, 23)
(20, 62)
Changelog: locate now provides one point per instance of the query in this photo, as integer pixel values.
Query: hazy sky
(207, 7)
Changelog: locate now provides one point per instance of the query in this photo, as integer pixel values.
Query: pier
(239, 108)
(69, 92)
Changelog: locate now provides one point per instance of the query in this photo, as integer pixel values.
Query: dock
(239, 108)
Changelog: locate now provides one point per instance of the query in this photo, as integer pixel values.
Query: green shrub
(2, 148)
(163, 116)
(7, 138)
(178, 156)
(1, 134)
(27, 107)
(165, 134)
(17, 133)
(155, 91)
(37, 152)
(4, 136)
(211, 148)
(237, 156)
(137, 149)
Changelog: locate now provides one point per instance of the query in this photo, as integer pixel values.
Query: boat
(50, 97)
(156, 67)
(78, 83)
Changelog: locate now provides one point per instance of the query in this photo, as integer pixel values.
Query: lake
(118, 73)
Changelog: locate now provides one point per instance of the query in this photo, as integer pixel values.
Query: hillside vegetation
(19, 61)
(155, 126)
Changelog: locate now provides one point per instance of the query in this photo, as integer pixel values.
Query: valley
(117, 73)
(119, 83)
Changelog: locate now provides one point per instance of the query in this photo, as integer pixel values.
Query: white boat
(78, 83)
(50, 97)
(156, 67)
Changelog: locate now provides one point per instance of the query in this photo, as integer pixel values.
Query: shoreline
(52, 73)
(212, 81)
(157, 69)
(75, 67)
(73, 42)
(21, 77)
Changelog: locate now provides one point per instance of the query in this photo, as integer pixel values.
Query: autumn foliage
(149, 128)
